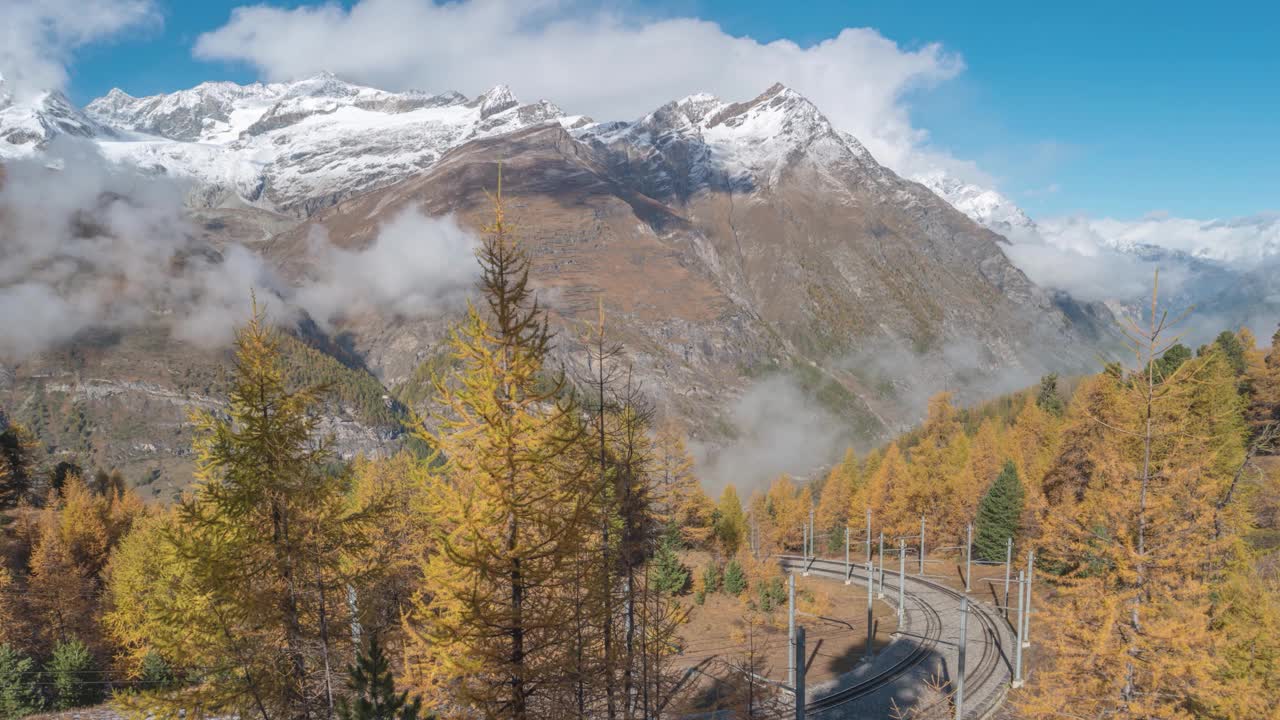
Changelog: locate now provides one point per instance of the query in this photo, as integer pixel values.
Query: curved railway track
(987, 675)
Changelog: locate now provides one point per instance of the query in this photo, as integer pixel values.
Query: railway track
(986, 677)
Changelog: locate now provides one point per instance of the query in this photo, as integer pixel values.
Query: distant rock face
(185, 115)
(495, 101)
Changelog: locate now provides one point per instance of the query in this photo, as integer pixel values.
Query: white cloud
(780, 429)
(416, 266)
(1244, 240)
(37, 37)
(1088, 273)
(91, 243)
(1095, 258)
(590, 60)
(87, 243)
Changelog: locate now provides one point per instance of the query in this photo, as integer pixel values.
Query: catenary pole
(813, 535)
(847, 569)
(921, 544)
(791, 628)
(797, 659)
(1026, 618)
(964, 641)
(1008, 563)
(871, 625)
(880, 592)
(1017, 638)
(968, 559)
(868, 534)
(902, 580)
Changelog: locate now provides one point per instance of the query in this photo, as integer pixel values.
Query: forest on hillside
(535, 558)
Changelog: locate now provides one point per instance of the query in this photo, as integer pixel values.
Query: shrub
(772, 594)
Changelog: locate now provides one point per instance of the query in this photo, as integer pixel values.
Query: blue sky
(1104, 109)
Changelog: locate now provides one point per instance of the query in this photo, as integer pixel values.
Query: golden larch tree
(681, 500)
(263, 539)
(1137, 552)
(76, 530)
(512, 509)
(832, 515)
(731, 522)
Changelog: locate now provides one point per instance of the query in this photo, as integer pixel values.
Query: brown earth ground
(834, 617)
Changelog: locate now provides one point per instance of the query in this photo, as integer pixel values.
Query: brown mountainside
(729, 244)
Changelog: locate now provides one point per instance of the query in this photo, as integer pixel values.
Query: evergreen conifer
(670, 576)
(373, 690)
(735, 580)
(998, 514)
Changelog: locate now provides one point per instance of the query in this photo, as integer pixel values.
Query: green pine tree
(1229, 345)
(18, 695)
(998, 514)
(735, 580)
(711, 577)
(17, 462)
(772, 594)
(373, 690)
(70, 673)
(670, 575)
(1172, 360)
(1048, 398)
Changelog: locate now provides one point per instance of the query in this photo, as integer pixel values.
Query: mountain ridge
(734, 243)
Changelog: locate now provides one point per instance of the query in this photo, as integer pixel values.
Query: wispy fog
(90, 243)
(780, 429)
(417, 265)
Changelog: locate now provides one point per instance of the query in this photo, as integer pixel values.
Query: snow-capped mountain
(702, 142)
(25, 127)
(1225, 270)
(987, 207)
(288, 147)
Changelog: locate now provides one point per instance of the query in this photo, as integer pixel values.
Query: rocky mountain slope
(734, 245)
(733, 241)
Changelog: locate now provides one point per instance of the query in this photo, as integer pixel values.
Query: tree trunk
(324, 651)
(518, 709)
(295, 694)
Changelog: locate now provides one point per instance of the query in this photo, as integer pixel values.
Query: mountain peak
(495, 100)
(776, 89)
(323, 84)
